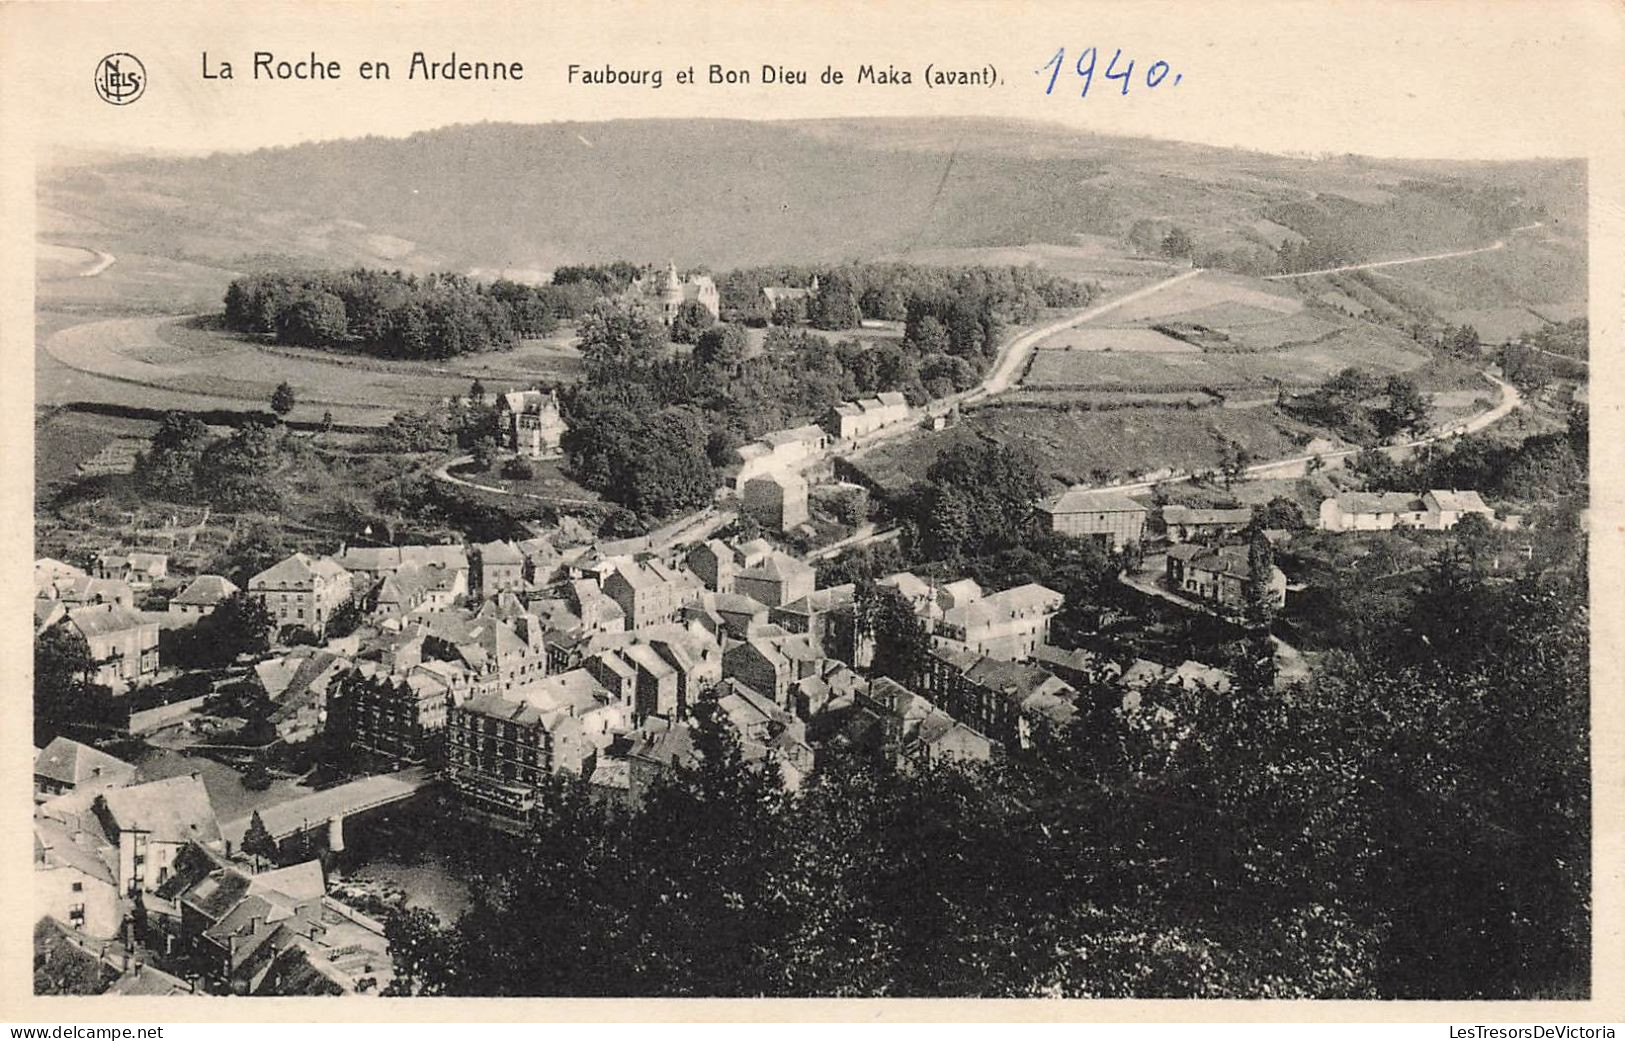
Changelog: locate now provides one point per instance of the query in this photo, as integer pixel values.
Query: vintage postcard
(1076, 502)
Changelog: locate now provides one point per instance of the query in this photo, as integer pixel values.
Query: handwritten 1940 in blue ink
(1156, 74)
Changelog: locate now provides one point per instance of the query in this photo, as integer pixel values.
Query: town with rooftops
(1039, 621)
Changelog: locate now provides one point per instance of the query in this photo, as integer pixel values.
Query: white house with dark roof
(140, 569)
(123, 643)
(75, 878)
(1435, 510)
(853, 420)
(148, 823)
(1008, 625)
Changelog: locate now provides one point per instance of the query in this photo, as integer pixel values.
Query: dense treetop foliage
(391, 314)
(650, 425)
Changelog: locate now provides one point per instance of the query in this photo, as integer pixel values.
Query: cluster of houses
(120, 858)
(500, 665)
(1202, 566)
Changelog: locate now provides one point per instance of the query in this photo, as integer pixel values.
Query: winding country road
(1010, 363)
(103, 262)
(1498, 244)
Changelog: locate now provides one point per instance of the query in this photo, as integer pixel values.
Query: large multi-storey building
(501, 747)
(1003, 699)
(1009, 625)
(649, 592)
(302, 591)
(389, 717)
(498, 567)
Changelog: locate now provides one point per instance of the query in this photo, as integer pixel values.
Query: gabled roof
(295, 568)
(387, 558)
(1002, 606)
(206, 591)
(667, 745)
(1176, 514)
(86, 589)
(648, 659)
(48, 569)
(1092, 500)
(101, 619)
(499, 553)
(1380, 502)
(1459, 502)
(826, 599)
(1021, 679)
(61, 845)
(144, 981)
(176, 809)
(71, 763)
(777, 566)
(1225, 560)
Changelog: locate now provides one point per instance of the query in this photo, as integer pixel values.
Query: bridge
(328, 808)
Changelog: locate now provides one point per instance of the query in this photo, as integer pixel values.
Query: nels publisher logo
(120, 78)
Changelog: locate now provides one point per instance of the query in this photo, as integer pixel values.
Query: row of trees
(849, 293)
(699, 406)
(389, 313)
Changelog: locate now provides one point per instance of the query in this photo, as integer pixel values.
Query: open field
(184, 363)
(134, 283)
(1072, 445)
(1370, 347)
(1126, 341)
(1212, 287)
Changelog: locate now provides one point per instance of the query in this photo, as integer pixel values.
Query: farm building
(851, 420)
(781, 451)
(202, 596)
(1435, 510)
(138, 569)
(778, 500)
(1184, 523)
(1103, 513)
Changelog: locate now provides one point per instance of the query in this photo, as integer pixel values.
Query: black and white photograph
(931, 542)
